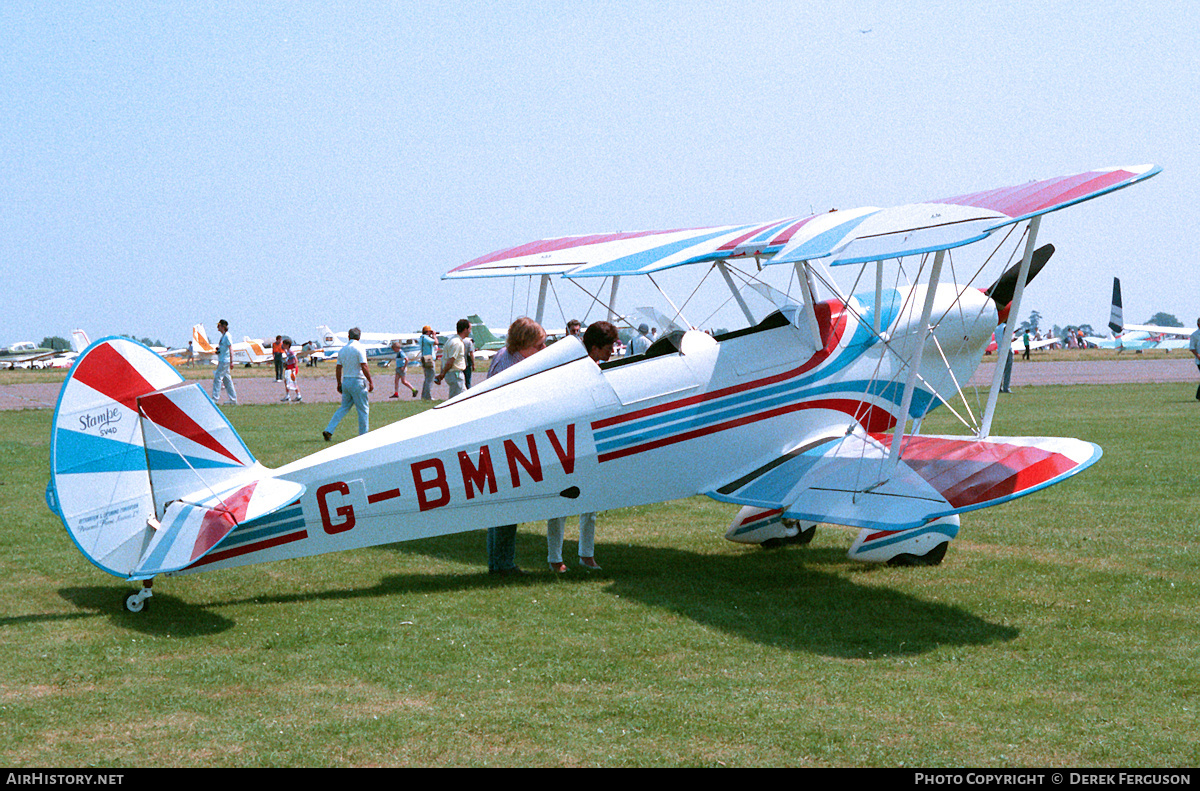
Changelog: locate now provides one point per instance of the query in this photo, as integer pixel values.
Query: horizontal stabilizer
(194, 526)
(854, 480)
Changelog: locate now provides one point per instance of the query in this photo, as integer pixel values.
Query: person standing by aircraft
(641, 341)
(401, 366)
(600, 342)
(525, 339)
(1194, 347)
(222, 375)
(277, 356)
(454, 362)
(354, 383)
(469, 354)
(1025, 339)
(428, 352)
(290, 371)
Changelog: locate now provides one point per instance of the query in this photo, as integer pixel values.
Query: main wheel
(803, 537)
(931, 558)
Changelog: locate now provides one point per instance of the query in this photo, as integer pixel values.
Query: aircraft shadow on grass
(784, 598)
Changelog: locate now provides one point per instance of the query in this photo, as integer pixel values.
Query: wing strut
(935, 274)
(541, 308)
(1005, 345)
(724, 270)
(810, 303)
(878, 297)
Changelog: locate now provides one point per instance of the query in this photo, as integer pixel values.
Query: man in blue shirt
(353, 382)
(222, 375)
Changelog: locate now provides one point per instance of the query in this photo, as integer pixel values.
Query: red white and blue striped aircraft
(809, 415)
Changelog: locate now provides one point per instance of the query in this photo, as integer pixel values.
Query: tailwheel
(138, 601)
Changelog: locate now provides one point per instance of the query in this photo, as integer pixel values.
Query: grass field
(1061, 630)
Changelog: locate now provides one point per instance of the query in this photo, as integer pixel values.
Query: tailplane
(146, 473)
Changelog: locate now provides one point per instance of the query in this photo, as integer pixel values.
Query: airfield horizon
(38, 389)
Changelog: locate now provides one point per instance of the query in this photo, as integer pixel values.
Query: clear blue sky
(289, 164)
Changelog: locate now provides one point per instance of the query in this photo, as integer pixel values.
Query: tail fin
(328, 336)
(148, 476)
(201, 340)
(480, 333)
(1116, 319)
(79, 340)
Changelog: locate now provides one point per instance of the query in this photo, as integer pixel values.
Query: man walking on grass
(354, 383)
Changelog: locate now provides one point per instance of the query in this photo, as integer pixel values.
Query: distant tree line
(56, 343)
(62, 344)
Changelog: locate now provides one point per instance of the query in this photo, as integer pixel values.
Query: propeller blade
(1005, 286)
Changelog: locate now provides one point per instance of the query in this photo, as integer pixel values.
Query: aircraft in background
(1139, 337)
(79, 342)
(378, 345)
(487, 343)
(813, 412)
(26, 354)
(1018, 344)
(49, 358)
(247, 352)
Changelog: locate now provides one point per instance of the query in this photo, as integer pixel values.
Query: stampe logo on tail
(101, 421)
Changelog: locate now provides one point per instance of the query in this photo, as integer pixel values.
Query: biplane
(810, 414)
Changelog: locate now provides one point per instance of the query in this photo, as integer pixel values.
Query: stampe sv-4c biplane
(810, 415)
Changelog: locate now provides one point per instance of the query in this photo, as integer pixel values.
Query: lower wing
(855, 480)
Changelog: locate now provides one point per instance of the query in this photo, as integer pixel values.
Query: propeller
(1005, 286)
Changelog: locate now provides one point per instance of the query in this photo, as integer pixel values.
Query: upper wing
(851, 481)
(873, 234)
(844, 237)
(629, 253)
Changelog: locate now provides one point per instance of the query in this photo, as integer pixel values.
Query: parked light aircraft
(378, 345)
(48, 358)
(486, 342)
(26, 354)
(1018, 343)
(149, 477)
(1139, 337)
(247, 352)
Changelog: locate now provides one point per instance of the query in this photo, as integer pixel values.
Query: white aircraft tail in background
(1139, 337)
(247, 352)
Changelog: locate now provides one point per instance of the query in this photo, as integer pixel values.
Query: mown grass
(1060, 631)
